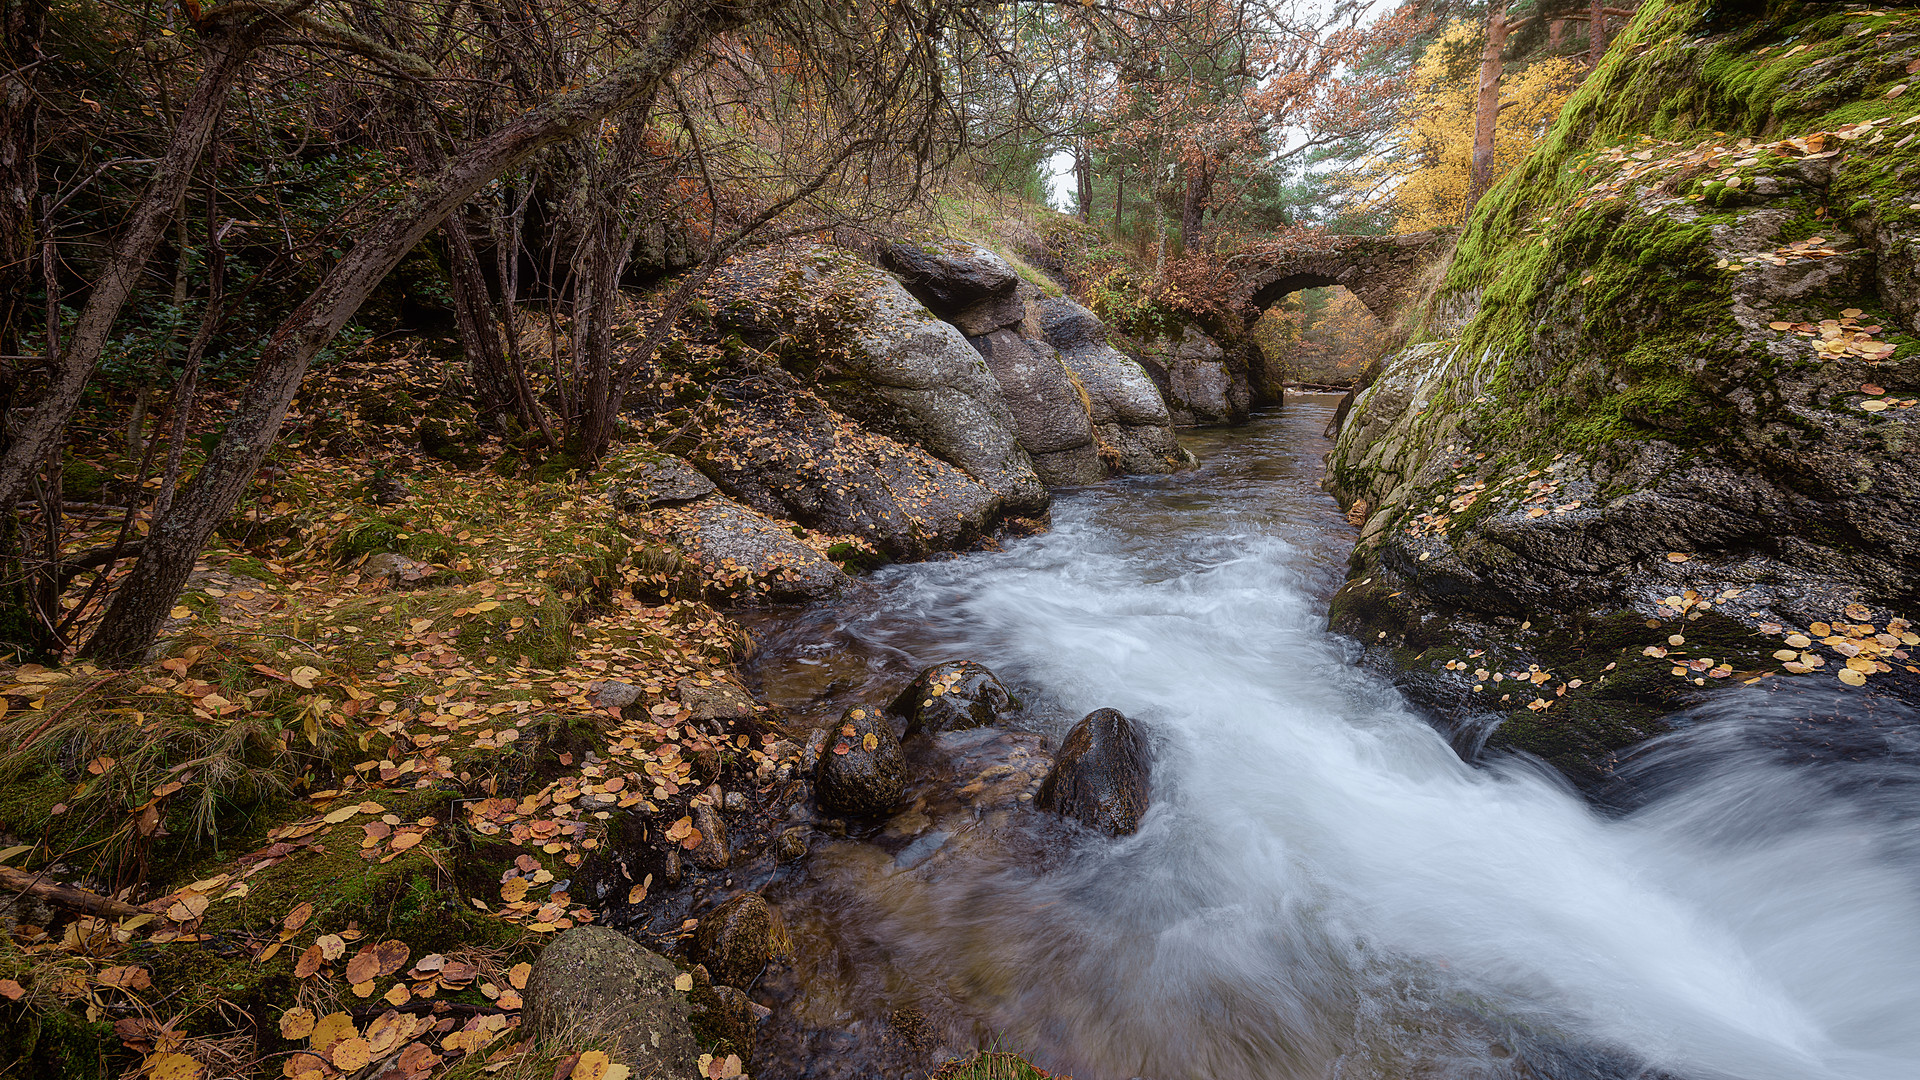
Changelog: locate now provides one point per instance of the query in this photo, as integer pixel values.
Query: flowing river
(1322, 887)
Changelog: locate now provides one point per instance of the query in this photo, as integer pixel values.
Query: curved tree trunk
(227, 52)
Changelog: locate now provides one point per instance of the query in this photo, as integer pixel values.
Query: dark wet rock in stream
(724, 1018)
(953, 696)
(735, 940)
(861, 772)
(591, 980)
(1100, 774)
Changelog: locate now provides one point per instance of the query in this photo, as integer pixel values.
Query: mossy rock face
(1670, 361)
(58, 1044)
(735, 940)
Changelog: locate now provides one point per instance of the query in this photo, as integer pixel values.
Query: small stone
(396, 571)
(591, 980)
(861, 771)
(614, 695)
(791, 845)
(712, 852)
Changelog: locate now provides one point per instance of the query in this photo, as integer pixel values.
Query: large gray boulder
(1201, 382)
(592, 981)
(783, 451)
(881, 357)
(749, 556)
(1048, 409)
(1130, 418)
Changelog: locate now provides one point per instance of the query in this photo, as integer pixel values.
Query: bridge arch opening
(1279, 289)
(1318, 335)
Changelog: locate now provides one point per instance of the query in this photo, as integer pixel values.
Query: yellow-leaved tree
(1425, 176)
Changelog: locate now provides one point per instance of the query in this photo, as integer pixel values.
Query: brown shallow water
(1321, 888)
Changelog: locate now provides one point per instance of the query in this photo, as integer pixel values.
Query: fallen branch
(66, 896)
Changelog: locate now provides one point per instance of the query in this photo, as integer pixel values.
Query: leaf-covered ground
(336, 818)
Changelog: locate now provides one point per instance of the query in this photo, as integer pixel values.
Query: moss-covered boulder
(735, 940)
(592, 981)
(1671, 375)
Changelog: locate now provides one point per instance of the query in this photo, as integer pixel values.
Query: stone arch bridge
(1377, 269)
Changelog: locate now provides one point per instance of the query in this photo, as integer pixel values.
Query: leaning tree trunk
(1596, 32)
(1486, 114)
(139, 607)
(34, 436)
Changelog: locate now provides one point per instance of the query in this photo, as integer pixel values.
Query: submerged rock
(953, 696)
(592, 981)
(735, 940)
(861, 771)
(1100, 774)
